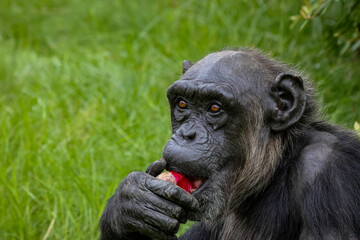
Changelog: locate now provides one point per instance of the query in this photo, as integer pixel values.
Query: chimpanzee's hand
(145, 207)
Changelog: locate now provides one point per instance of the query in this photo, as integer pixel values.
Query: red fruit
(176, 178)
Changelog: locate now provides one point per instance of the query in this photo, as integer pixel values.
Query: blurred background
(83, 90)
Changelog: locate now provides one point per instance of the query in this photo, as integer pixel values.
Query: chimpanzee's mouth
(196, 183)
(189, 184)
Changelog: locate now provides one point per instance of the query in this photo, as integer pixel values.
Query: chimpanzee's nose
(188, 134)
(187, 131)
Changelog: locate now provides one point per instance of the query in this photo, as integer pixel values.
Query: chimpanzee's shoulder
(327, 177)
(335, 154)
(317, 154)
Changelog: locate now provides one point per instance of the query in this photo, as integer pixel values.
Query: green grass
(83, 94)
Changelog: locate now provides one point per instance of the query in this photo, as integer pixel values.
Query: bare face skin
(204, 112)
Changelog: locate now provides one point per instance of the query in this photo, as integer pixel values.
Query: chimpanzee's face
(208, 109)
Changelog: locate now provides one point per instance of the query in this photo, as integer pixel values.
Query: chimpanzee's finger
(153, 232)
(156, 219)
(154, 224)
(156, 167)
(171, 192)
(167, 207)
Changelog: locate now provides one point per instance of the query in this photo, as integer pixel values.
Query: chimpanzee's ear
(186, 65)
(289, 100)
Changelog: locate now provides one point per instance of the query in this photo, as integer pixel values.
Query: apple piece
(176, 178)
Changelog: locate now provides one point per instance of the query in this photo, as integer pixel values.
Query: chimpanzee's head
(229, 112)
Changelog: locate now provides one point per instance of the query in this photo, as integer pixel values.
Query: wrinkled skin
(202, 145)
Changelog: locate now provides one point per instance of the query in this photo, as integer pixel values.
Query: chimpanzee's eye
(215, 108)
(182, 104)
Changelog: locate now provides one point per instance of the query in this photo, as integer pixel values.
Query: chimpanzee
(248, 134)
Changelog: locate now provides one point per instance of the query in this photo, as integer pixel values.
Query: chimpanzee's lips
(196, 183)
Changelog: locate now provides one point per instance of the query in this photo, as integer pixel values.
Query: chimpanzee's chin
(212, 198)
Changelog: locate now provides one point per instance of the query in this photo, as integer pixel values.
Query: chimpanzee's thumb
(156, 167)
